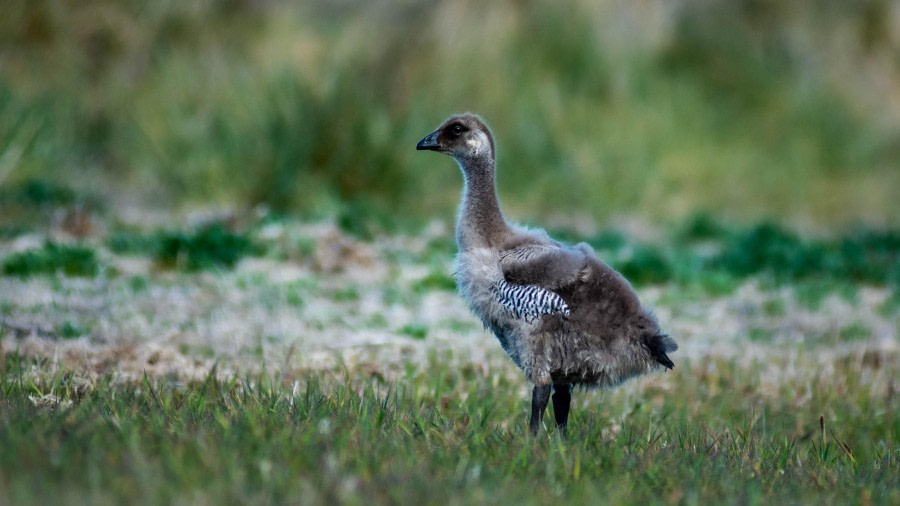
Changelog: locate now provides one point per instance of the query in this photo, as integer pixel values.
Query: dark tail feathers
(658, 346)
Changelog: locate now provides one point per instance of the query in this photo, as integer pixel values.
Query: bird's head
(463, 136)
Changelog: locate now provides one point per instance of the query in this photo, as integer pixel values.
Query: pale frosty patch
(50, 401)
(343, 303)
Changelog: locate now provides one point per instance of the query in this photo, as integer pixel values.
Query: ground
(774, 382)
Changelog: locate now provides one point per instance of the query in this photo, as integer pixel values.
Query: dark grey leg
(540, 397)
(562, 397)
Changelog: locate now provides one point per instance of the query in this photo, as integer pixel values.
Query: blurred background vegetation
(746, 109)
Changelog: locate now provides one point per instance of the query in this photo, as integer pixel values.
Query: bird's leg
(540, 397)
(562, 397)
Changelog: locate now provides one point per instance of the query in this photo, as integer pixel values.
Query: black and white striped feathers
(528, 302)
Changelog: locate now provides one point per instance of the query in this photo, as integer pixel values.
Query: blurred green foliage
(29, 204)
(69, 330)
(209, 246)
(415, 330)
(706, 251)
(750, 109)
(52, 258)
(862, 256)
(38, 193)
(646, 265)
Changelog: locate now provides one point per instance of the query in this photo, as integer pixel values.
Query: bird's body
(598, 336)
(563, 316)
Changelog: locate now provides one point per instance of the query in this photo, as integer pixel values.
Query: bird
(563, 316)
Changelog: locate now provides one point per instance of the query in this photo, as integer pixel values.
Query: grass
(415, 330)
(704, 251)
(700, 251)
(209, 246)
(38, 193)
(274, 381)
(52, 258)
(312, 108)
(446, 436)
(311, 337)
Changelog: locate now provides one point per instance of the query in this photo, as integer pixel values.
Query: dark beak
(429, 143)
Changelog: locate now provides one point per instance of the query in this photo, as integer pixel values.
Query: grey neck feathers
(481, 223)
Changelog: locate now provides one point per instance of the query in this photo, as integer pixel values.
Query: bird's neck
(481, 223)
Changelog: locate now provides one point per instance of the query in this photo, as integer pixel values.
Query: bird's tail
(659, 345)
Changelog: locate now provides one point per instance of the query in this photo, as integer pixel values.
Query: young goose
(563, 316)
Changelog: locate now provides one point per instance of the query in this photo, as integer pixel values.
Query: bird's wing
(534, 273)
(551, 266)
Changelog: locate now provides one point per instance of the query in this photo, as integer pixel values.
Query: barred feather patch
(529, 302)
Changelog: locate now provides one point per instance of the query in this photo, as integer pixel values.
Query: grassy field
(749, 110)
(226, 275)
(715, 430)
(265, 359)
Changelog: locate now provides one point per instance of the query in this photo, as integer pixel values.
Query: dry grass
(338, 301)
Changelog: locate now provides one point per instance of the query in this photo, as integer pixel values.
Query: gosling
(563, 316)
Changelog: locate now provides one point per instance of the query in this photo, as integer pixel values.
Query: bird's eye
(457, 129)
